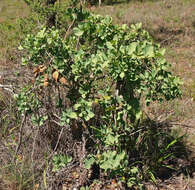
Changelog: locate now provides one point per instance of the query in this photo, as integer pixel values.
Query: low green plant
(94, 79)
(60, 161)
(85, 188)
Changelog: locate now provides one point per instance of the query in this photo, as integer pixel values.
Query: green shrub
(92, 81)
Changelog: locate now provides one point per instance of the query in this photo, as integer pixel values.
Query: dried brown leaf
(55, 75)
(63, 81)
(46, 77)
(45, 84)
(42, 69)
(36, 71)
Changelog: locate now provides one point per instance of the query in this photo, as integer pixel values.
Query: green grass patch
(11, 11)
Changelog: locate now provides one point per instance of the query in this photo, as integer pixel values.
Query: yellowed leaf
(83, 124)
(40, 66)
(55, 75)
(75, 175)
(36, 71)
(36, 186)
(42, 69)
(19, 157)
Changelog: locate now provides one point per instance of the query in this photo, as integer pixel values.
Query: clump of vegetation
(90, 82)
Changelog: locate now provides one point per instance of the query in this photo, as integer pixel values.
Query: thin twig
(136, 132)
(49, 157)
(32, 155)
(187, 185)
(163, 41)
(59, 137)
(183, 125)
(20, 136)
(68, 29)
(56, 123)
(57, 116)
(7, 87)
(83, 151)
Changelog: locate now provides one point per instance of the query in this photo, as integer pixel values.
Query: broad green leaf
(72, 115)
(115, 164)
(78, 32)
(162, 61)
(122, 49)
(76, 106)
(106, 165)
(124, 27)
(149, 51)
(138, 25)
(121, 155)
(122, 75)
(49, 40)
(109, 45)
(134, 170)
(132, 48)
(91, 114)
(42, 33)
(89, 162)
(20, 48)
(24, 61)
(87, 118)
(110, 139)
(162, 51)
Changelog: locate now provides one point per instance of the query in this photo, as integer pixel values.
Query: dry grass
(170, 22)
(12, 9)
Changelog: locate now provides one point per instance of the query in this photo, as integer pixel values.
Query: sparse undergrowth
(82, 123)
